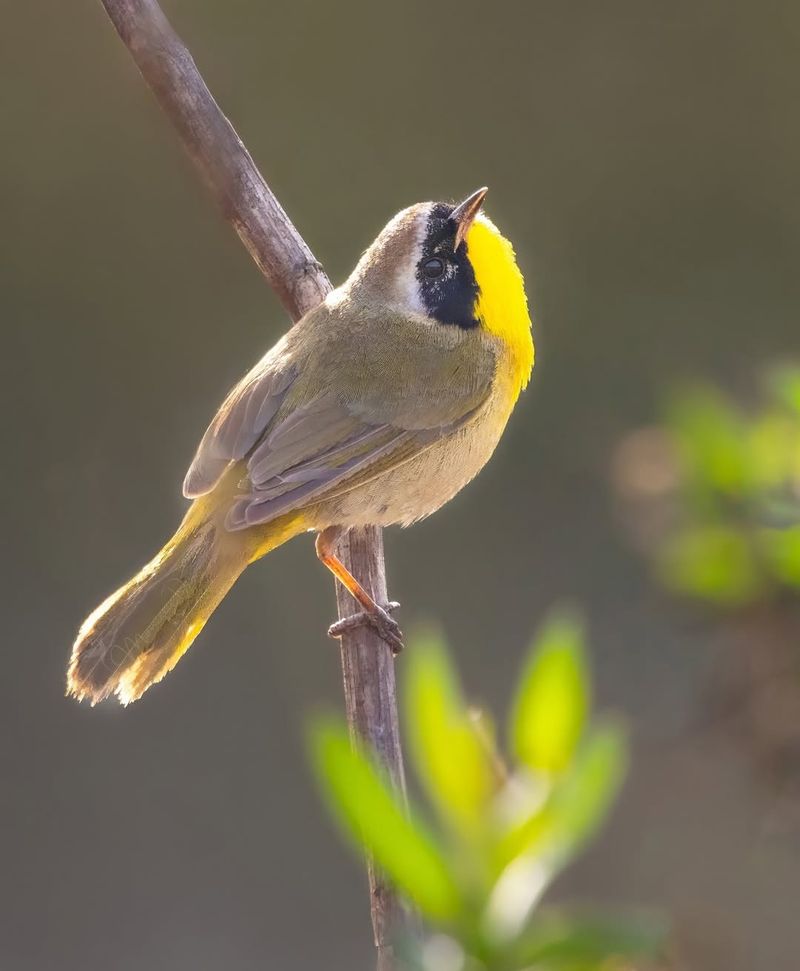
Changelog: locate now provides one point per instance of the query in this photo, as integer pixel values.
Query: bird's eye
(433, 267)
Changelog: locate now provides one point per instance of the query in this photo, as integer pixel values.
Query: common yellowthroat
(375, 408)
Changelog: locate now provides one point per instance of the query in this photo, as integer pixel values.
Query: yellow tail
(141, 632)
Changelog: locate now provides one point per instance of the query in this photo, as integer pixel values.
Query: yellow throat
(502, 307)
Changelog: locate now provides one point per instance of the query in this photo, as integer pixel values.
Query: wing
(323, 450)
(334, 404)
(240, 421)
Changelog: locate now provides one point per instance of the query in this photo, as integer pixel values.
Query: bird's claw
(384, 624)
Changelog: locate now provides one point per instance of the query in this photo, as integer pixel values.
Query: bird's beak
(464, 214)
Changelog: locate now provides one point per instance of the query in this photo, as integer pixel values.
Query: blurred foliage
(500, 831)
(722, 484)
(712, 496)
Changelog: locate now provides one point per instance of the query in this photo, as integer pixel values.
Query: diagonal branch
(224, 163)
(300, 282)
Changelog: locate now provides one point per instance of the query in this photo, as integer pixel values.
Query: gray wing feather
(276, 484)
(306, 434)
(304, 484)
(238, 425)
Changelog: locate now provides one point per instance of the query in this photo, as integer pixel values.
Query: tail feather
(140, 632)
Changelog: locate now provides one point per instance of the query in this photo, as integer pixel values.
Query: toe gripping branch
(373, 613)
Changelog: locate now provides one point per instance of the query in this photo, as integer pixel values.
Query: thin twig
(300, 282)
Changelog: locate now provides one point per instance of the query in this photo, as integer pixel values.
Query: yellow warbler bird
(375, 408)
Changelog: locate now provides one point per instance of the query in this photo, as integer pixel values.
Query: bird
(375, 408)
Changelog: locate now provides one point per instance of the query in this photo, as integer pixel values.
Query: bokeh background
(643, 157)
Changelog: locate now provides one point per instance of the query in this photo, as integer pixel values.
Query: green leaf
(438, 952)
(781, 548)
(577, 805)
(549, 711)
(784, 382)
(774, 446)
(560, 943)
(711, 562)
(708, 431)
(452, 757)
(370, 812)
(534, 852)
(581, 802)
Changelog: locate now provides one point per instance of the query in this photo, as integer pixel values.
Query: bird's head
(451, 265)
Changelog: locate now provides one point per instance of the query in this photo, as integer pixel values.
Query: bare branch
(371, 705)
(300, 282)
(224, 163)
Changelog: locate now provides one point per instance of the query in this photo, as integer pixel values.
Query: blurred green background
(643, 157)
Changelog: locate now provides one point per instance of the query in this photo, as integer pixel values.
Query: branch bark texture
(299, 281)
